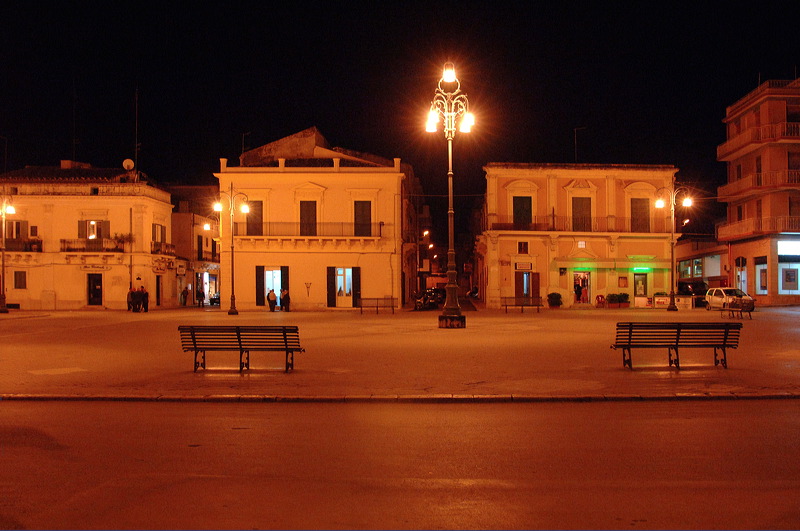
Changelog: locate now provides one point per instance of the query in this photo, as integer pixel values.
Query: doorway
(344, 287)
(526, 284)
(582, 286)
(272, 281)
(94, 283)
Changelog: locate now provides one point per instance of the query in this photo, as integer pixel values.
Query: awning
(611, 263)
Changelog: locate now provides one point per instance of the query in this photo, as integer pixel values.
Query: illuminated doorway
(581, 286)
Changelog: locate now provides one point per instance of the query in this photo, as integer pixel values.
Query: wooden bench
(522, 302)
(673, 336)
(737, 308)
(377, 303)
(243, 339)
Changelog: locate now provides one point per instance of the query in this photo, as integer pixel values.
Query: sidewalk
(554, 355)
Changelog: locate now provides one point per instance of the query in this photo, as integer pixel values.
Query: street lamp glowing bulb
(11, 210)
(433, 119)
(449, 73)
(207, 226)
(660, 203)
(467, 122)
(245, 208)
(687, 201)
(217, 207)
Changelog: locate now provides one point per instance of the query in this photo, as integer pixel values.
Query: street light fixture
(5, 208)
(452, 106)
(672, 196)
(232, 195)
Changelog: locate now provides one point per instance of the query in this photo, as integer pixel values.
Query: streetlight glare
(10, 209)
(449, 73)
(433, 119)
(660, 203)
(467, 122)
(207, 226)
(217, 207)
(245, 208)
(687, 201)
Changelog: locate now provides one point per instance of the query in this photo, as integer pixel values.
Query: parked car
(214, 299)
(697, 289)
(719, 298)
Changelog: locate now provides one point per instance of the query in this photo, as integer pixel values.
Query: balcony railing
(759, 135)
(582, 224)
(26, 245)
(162, 248)
(301, 230)
(95, 245)
(208, 256)
(757, 226)
(760, 181)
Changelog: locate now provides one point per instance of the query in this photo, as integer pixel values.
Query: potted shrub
(554, 300)
(612, 300)
(624, 300)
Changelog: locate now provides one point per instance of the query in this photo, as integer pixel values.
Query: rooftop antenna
(136, 134)
(244, 135)
(74, 119)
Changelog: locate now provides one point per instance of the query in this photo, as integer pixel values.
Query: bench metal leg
(626, 358)
(244, 360)
(289, 361)
(723, 360)
(674, 361)
(202, 362)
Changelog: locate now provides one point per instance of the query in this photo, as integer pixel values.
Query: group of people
(272, 300)
(138, 299)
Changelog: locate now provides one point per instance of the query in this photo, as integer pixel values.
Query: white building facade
(80, 237)
(331, 226)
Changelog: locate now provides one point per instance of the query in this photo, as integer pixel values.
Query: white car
(719, 298)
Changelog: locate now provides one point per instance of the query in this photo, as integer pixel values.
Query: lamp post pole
(672, 194)
(5, 208)
(232, 195)
(451, 106)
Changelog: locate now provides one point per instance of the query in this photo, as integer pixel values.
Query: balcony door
(582, 214)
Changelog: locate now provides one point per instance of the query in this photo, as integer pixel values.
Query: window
(794, 206)
(582, 214)
(308, 218)
(698, 267)
(522, 247)
(255, 218)
(523, 212)
(20, 280)
(362, 218)
(159, 233)
(94, 229)
(739, 213)
(640, 214)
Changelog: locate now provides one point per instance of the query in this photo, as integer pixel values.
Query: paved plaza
(551, 355)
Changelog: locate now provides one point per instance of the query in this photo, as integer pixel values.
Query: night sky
(642, 82)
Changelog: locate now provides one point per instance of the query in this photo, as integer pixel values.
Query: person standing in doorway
(145, 298)
(578, 290)
(285, 300)
(272, 299)
(201, 297)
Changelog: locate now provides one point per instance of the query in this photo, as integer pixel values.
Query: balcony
(303, 230)
(94, 245)
(580, 224)
(25, 245)
(752, 138)
(756, 182)
(748, 228)
(162, 248)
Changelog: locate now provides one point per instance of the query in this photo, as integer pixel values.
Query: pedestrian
(131, 291)
(578, 290)
(136, 300)
(285, 300)
(201, 297)
(145, 297)
(184, 295)
(272, 299)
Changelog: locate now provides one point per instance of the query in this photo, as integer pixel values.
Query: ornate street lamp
(232, 195)
(671, 194)
(5, 208)
(451, 105)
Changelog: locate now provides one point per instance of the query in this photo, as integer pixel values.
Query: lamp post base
(452, 321)
(672, 306)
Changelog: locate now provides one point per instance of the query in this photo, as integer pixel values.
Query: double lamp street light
(232, 196)
(452, 107)
(672, 194)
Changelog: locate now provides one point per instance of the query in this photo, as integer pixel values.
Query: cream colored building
(762, 230)
(330, 225)
(81, 236)
(550, 227)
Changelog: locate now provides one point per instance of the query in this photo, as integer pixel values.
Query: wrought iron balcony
(301, 230)
(584, 224)
(162, 248)
(94, 245)
(26, 245)
(754, 137)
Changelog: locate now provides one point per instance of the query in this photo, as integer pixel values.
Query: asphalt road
(618, 465)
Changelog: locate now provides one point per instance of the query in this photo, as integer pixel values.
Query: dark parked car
(214, 299)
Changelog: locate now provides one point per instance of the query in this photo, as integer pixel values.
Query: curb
(407, 399)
